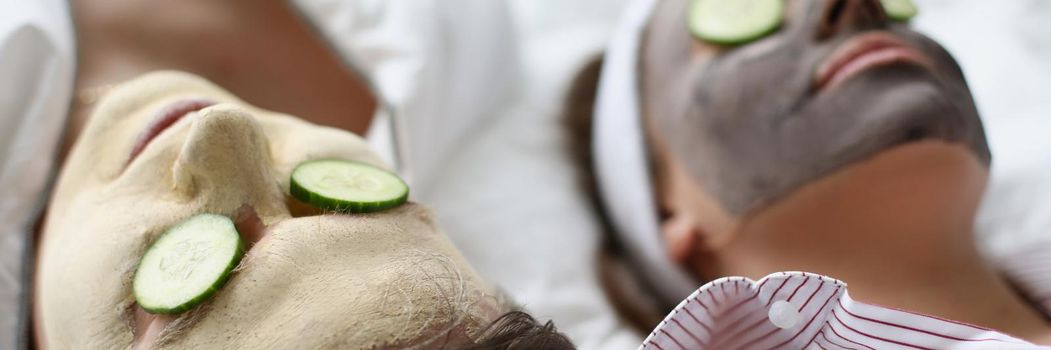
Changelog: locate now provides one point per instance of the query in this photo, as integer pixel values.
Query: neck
(898, 240)
(240, 46)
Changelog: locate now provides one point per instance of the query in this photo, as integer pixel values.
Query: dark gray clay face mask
(749, 123)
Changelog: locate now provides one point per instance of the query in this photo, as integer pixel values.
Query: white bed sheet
(1004, 48)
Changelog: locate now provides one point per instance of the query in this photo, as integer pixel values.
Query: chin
(907, 104)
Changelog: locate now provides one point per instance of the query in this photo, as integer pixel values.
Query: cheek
(320, 283)
(87, 259)
(942, 59)
(751, 91)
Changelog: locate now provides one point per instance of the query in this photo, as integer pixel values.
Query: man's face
(388, 279)
(836, 83)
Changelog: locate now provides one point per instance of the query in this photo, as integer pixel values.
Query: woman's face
(385, 280)
(836, 83)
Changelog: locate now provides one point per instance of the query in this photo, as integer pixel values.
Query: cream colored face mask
(384, 280)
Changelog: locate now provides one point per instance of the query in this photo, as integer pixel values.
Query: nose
(225, 162)
(844, 16)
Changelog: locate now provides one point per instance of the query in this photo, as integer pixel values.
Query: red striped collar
(798, 310)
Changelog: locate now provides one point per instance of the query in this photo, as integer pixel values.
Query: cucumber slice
(899, 10)
(346, 186)
(732, 22)
(187, 264)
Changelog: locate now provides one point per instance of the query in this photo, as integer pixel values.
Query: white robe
(36, 84)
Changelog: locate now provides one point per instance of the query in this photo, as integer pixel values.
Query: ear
(693, 221)
(714, 239)
(680, 237)
(685, 235)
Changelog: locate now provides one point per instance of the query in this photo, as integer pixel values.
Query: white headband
(621, 161)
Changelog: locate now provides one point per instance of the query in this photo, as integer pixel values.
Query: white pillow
(1004, 48)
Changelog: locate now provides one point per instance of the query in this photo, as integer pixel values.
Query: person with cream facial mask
(803, 135)
(167, 146)
(435, 87)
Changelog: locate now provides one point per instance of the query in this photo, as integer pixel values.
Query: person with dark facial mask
(834, 140)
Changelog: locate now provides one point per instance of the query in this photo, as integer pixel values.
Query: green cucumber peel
(187, 264)
(734, 22)
(347, 186)
(899, 10)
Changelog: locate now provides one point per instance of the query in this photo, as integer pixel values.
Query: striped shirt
(798, 310)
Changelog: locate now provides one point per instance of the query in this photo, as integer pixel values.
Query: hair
(577, 111)
(517, 330)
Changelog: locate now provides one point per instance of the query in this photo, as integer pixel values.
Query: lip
(864, 52)
(164, 119)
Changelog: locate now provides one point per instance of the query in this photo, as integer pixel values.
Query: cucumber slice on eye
(187, 264)
(899, 10)
(346, 186)
(732, 22)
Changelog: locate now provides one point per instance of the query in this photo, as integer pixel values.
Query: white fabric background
(36, 82)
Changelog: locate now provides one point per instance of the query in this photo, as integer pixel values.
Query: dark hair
(517, 330)
(577, 111)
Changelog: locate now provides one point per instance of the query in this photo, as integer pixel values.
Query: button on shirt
(798, 310)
